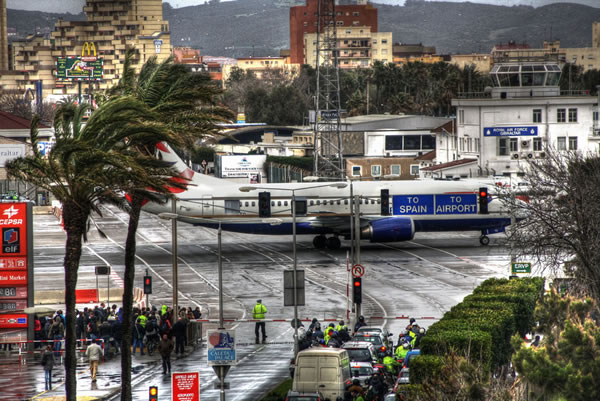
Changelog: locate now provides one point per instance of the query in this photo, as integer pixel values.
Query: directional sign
(456, 204)
(441, 204)
(412, 204)
(221, 347)
(510, 131)
(358, 270)
(520, 267)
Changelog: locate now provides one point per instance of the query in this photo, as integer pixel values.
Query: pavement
(108, 377)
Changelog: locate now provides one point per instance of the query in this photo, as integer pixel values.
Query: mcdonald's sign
(81, 68)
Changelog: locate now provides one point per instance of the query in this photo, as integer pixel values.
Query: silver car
(363, 371)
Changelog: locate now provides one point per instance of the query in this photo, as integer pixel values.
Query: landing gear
(320, 242)
(334, 243)
(484, 240)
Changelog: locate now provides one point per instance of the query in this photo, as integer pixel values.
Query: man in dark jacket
(165, 347)
(179, 331)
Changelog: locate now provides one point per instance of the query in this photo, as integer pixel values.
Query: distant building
(112, 26)
(3, 37)
(482, 62)
(304, 19)
(261, 67)
(359, 47)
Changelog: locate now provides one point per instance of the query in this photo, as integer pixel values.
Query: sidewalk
(108, 382)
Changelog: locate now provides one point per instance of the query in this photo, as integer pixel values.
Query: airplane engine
(392, 229)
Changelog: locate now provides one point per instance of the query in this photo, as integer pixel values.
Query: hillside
(255, 27)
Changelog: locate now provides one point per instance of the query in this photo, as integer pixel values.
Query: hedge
(423, 366)
(476, 343)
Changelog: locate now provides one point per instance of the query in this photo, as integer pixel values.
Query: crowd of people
(336, 335)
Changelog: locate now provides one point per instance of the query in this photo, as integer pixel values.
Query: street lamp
(338, 185)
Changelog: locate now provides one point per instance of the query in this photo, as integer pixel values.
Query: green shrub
(523, 305)
(474, 344)
(425, 366)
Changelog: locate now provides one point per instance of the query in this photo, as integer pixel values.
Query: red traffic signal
(357, 290)
(483, 200)
(147, 284)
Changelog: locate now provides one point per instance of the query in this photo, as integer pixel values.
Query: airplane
(390, 211)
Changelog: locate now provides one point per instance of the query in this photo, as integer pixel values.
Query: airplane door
(232, 206)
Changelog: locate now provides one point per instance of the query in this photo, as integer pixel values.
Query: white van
(326, 370)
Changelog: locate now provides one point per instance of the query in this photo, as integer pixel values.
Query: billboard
(79, 68)
(10, 152)
(240, 166)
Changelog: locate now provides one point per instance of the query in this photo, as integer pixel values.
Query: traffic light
(357, 290)
(264, 204)
(153, 393)
(385, 202)
(147, 284)
(483, 200)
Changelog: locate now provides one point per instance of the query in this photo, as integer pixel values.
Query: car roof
(371, 328)
(357, 344)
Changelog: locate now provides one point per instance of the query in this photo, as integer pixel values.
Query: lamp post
(338, 185)
(175, 257)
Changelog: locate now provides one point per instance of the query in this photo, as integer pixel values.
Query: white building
(516, 120)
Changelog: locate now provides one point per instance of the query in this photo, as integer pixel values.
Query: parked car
(363, 371)
(385, 334)
(376, 339)
(297, 396)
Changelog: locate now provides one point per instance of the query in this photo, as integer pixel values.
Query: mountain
(244, 28)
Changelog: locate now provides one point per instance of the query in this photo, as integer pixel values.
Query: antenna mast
(328, 156)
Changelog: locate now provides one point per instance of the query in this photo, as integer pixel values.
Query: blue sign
(221, 347)
(441, 204)
(412, 204)
(510, 131)
(456, 204)
(21, 320)
(45, 147)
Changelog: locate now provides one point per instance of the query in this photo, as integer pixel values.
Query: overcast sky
(76, 6)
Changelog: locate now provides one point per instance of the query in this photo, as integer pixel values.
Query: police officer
(402, 350)
(259, 313)
(391, 365)
(361, 323)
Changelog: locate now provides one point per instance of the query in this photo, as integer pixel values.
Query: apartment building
(263, 67)
(304, 19)
(110, 28)
(357, 47)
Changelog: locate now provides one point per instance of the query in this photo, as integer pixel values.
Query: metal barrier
(194, 333)
(22, 346)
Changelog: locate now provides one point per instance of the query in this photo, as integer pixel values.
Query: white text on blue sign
(510, 131)
(442, 204)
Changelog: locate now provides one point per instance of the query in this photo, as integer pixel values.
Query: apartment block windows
(537, 144)
(572, 115)
(537, 115)
(573, 143)
(502, 147)
(356, 171)
(395, 169)
(461, 117)
(561, 143)
(595, 115)
(376, 170)
(561, 115)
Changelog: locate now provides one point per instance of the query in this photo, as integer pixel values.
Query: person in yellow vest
(402, 350)
(259, 313)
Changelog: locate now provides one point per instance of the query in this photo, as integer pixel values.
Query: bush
(523, 305)
(474, 344)
(425, 366)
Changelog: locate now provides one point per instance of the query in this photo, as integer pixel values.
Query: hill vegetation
(244, 28)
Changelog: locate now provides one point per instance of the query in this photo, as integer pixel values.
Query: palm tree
(86, 165)
(185, 102)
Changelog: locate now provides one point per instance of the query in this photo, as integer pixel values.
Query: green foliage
(303, 163)
(522, 304)
(200, 153)
(473, 344)
(425, 366)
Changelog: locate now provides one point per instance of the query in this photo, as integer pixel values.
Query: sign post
(221, 354)
(185, 386)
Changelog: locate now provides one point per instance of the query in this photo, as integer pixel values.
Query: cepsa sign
(13, 222)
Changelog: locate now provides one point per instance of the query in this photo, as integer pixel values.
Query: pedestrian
(106, 334)
(57, 331)
(178, 331)
(165, 347)
(259, 313)
(94, 353)
(197, 313)
(37, 331)
(361, 323)
(138, 335)
(48, 364)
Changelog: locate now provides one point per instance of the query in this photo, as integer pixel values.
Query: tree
(86, 164)
(186, 103)
(561, 220)
(567, 362)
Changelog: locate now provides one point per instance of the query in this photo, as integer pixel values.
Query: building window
(383, 41)
(502, 146)
(356, 23)
(595, 115)
(537, 115)
(356, 171)
(537, 144)
(514, 144)
(414, 169)
(374, 41)
(376, 170)
(383, 52)
(561, 143)
(572, 115)
(339, 23)
(561, 115)
(305, 23)
(461, 117)
(573, 143)
(348, 31)
(395, 169)
(355, 14)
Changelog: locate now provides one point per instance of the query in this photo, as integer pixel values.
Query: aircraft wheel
(320, 242)
(334, 243)
(484, 240)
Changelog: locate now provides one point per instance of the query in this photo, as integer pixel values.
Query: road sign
(102, 270)
(520, 267)
(510, 131)
(185, 386)
(221, 347)
(288, 287)
(358, 270)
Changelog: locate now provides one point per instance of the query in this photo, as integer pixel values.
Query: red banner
(11, 321)
(14, 292)
(17, 263)
(86, 296)
(13, 278)
(185, 386)
(13, 223)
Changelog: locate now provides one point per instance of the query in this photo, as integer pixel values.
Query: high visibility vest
(389, 363)
(142, 319)
(259, 311)
(401, 352)
(339, 328)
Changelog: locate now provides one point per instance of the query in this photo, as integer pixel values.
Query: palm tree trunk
(75, 219)
(127, 325)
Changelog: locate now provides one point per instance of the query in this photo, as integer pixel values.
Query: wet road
(424, 277)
